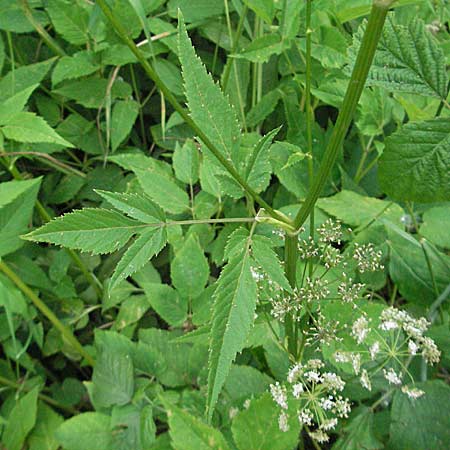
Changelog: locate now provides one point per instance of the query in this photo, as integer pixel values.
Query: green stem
(235, 44)
(356, 85)
(51, 43)
(151, 73)
(13, 385)
(290, 265)
(309, 116)
(47, 312)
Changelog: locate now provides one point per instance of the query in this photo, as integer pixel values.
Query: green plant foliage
(408, 60)
(415, 161)
(224, 224)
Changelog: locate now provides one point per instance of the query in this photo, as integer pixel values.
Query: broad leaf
(436, 223)
(163, 190)
(78, 65)
(90, 430)
(207, 104)
(21, 420)
(15, 104)
(189, 269)
(124, 115)
(257, 427)
(423, 422)
(414, 165)
(233, 315)
(113, 378)
(88, 230)
(43, 435)
(261, 49)
(70, 20)
(186, 162)
(190, 433)
(408, 59)
(27, 127)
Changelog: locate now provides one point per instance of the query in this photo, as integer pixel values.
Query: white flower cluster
(389, 347)
(367, 258)
(312, 395)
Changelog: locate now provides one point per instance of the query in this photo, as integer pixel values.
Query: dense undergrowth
(224, 224)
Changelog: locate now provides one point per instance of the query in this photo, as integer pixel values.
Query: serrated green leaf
(17, 200)
(408, 59)
(207, 104)
(90, 430)
(190, 433)
(21, 420)
(27, 127)
(145, 247)
(233, 315)
(269, 262)
(124, 115)
(78, 65)
(263, 8)
(23, 77)
(137, 206)
(415, 163)
(163, 190)
(89, 230)
(70, 20)
(189, 269)
(186, 162)
(258, 168)
(15, 104)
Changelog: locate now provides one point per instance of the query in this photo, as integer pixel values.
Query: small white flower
(430, 352)
(329, 424)
(297, 390)
(412, 392)
(294, 372)
(392, 376)
(283, 422)
(279, 395)
(233, 412)
(374, 349)
(319, 436)
(247, 403)
(360, 329)
(305, 417)
(365, 380)
(356, 362)
(333, 381)
(413, 348)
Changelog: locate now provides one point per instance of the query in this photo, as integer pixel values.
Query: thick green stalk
(47, 312)
(183, 113)
(290, 265)
(356, 85)
(309, 116)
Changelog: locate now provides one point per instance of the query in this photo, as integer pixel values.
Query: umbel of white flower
(312, 395)
(387, 349)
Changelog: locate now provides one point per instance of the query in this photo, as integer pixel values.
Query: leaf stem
(51, 43)
(47, 312)
(151, 73)
(14, 385)
(356, 85)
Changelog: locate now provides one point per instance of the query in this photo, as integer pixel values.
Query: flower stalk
(354, 90)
